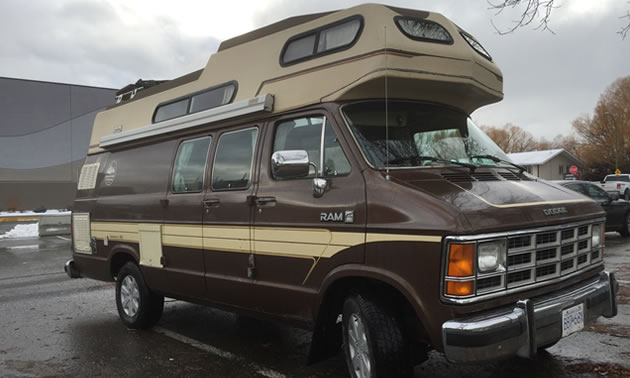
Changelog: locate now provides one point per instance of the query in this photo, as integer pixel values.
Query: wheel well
(327, 333)
(118, 260)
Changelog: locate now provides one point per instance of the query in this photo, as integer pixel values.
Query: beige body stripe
(290, 242)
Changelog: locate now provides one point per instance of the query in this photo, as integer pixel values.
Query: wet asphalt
(57, 327)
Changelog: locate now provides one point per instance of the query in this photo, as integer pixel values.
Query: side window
(190, 165)
(172, 110)
(306, 134)
(233, 160)
(596, 192)
(334, 37)
(212, 98)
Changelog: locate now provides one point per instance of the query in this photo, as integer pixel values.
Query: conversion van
(324, 171)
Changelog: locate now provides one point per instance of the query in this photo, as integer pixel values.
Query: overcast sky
(549, 80)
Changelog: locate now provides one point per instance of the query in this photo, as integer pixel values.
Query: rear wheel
(625, 230)
(372, 340)
(626, 195)
(138, 306)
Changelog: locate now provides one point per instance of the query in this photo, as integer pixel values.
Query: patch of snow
(22, 231)
(31, 213)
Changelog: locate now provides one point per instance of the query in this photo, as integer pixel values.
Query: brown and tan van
(324, 171)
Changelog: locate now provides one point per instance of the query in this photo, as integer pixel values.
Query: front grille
(557, 253)
(520, 242)
(546, 238)
(537, 256)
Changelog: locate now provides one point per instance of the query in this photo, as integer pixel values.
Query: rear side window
(331, 38)
(190, 166)
(233, 160)
(618, 178)
(306, 134)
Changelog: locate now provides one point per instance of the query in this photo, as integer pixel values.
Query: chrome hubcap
(358, 347)
(130, 296)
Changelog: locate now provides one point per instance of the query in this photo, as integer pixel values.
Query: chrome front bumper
(528, 325)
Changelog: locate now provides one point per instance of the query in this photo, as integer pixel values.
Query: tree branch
(534, 10)
(624, 30)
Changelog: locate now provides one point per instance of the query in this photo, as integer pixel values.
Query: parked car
(617, 184)
(617, 212)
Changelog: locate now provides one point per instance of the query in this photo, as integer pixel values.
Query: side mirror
(613, 196)
(290, 164)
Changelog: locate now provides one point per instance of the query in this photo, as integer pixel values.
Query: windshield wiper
(499, 160)
(419, 158)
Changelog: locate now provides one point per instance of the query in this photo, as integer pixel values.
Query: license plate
(572, 320)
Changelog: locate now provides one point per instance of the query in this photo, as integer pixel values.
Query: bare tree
(539, 11)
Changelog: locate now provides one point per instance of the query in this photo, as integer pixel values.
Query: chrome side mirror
(319, 187)
(290, 164)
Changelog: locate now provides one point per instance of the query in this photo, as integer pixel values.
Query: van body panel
(401, 187)
(295, 232)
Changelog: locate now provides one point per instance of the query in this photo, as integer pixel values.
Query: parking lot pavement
(54, 326)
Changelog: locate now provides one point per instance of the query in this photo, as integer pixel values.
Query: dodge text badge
(555, 211)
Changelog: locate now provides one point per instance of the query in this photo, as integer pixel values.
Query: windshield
(419, 135)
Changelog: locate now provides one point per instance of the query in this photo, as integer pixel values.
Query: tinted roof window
(299, 48)
(212, 98)
(338, 36)
(172, 110)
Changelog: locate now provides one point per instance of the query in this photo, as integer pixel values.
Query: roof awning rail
(262, 103)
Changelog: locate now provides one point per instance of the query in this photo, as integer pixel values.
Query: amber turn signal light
(461, 258)
(459, 288)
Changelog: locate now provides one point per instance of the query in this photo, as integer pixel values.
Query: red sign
(573, 170)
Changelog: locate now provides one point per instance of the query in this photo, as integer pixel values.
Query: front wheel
(373, 342)
(625, 230)
(138, 307)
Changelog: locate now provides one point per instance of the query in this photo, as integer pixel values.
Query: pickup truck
(617, 184)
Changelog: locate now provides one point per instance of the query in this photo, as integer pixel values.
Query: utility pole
(616, 140)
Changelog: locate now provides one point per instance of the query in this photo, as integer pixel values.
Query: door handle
(211, 202)
(262, 201)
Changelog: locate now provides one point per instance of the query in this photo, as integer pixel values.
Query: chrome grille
(534, 257)
(557, 253)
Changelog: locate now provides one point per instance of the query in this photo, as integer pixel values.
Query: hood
(500, 199)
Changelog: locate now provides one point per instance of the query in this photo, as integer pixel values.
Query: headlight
(596, 238)
(491, 256)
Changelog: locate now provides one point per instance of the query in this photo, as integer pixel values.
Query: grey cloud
(87, 43)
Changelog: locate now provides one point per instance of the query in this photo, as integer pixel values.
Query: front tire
(625, 231)
(373, 342)
(138, 307)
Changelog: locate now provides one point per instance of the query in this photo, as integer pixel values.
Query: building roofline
(57, 83)
(558, 151)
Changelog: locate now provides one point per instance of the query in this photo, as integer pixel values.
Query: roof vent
(130, 91)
